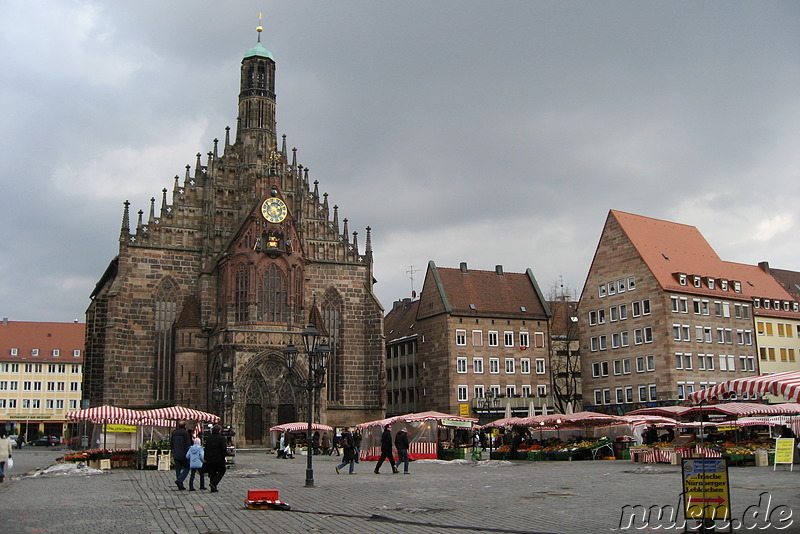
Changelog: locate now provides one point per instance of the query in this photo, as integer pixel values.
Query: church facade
(210, 287)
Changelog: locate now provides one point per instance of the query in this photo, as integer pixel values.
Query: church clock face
(274, 210)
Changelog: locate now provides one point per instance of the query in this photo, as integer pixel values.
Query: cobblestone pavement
(437, 497)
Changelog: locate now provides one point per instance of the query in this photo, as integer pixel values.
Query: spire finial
(259, 28)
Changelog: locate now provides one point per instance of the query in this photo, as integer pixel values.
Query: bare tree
(565, 363)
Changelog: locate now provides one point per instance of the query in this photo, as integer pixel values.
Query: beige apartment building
(663, 316)
(41, 369)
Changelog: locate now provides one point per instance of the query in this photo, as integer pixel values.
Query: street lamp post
(317, 352)
(224, 395)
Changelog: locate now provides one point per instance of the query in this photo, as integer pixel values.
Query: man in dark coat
(386, 450)
(401, 442)
(349, 448)
(216, 450)
(181, 441)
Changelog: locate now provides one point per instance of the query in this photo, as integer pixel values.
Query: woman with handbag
(5, 453)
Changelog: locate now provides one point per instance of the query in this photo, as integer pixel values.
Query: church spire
(126, 223)
(256, 129)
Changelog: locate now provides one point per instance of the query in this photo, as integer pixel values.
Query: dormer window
(766, 304)
(795, 306)
(682, 279)
(14, 352)
(710, 282)
(723, 285)
(737, 286)
(786, 306)
(696, 281)
(56, 353)
(34, 352)
(76, 353)
(756, 303)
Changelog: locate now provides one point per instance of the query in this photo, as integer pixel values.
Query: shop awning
(300, 427)
(781, 384)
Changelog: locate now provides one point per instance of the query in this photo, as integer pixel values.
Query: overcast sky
(487, 132)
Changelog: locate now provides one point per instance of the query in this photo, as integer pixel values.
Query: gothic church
(208, 289)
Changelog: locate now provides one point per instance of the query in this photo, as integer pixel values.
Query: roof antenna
(411, 270)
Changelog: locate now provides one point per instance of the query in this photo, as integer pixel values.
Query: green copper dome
(259, 50)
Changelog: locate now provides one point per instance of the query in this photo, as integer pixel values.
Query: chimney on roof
(463, 267)
(499, 270)
(764, 266)
(5, 321)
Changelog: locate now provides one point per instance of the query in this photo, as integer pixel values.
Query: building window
(494, 365)
(613, 314)
(681, 393)
(631, 283)
(593, 344)
(619, 395)
(623, 312)
(541, 390)
(510, 366)
(508, 339)
(601, 316)
(595, 370)
(477, 365)
(604, 368)
(648, 334)
(640, 364)
(615, 340)
(592, 318)
(620, 286)
(653, 395)
(601, 290)
(651, 362)
(636, 308)
(461, 365)
(540, 366)
(462, 394)
(478, 392)
(642, 393)
(524, 339)
(477, 338)
(607, 396)
(511, 391)
(461, 338)
(626, 366)
(56, 353)
(624, 338)
(603, 343)
(493, 339)
(525, 366)
(598, 396)
(628, 394)
(538, 339)
(638, 337)
(526, 391)
(646, 307)
(612, 288)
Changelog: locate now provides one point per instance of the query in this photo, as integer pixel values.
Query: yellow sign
(120, 428)
(784, 451)
(463, 410)
(705, 488)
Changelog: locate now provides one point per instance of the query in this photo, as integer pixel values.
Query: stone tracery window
(241, 297)
(332, 315)
(165, 313)
(273, 295)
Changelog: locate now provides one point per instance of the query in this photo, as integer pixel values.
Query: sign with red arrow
(706, 492)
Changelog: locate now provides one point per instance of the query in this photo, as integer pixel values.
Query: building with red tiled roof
(41, 369)
(778, 325)
(476, 343)
(662, 315)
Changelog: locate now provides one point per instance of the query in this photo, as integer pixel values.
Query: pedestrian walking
(357, 442)
(401, 442)
(314, 449)
(349, 448)
(386, 450)
(196, 456)
(216, 450)
(5, 453)
(326, 443)
(181, 441)
(335, 445)
(20, 441)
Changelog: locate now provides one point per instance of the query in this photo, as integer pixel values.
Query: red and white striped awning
(107, 414)
(420, 416)
(300, 427)
(786, 384)
(177, 413)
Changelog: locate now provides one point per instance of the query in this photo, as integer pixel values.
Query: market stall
(103, 417)
(297, 428)
(426, 432)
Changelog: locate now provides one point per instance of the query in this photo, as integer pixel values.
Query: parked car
(46, 441)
